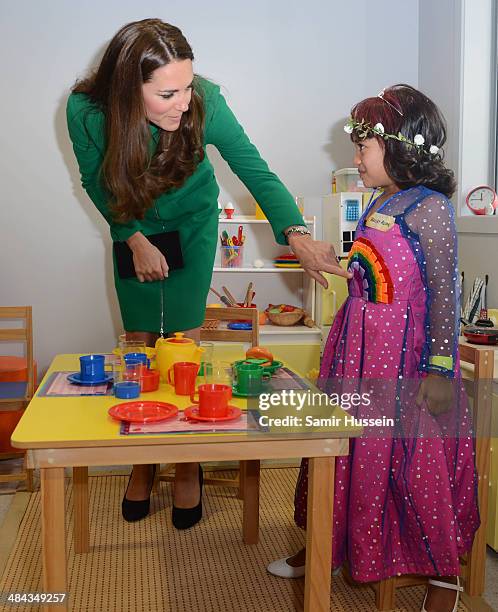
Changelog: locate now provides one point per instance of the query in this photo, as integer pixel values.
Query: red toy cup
(184, 375)
(149, 380)
(213, 400)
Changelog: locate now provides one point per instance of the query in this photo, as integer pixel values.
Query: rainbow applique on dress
(367, 263)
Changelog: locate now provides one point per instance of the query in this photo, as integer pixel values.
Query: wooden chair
(18, 401)
(220, 333)
(385, 590)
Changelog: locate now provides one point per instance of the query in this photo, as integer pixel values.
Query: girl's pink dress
(405, 498)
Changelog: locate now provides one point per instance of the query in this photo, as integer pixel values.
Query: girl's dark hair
(133, 174)
(408, 165)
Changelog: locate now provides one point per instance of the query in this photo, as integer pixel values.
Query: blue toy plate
(76, 379)
(239, 326)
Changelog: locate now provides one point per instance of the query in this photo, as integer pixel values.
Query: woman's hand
(438, 392)
(316, 257)
(150, 264)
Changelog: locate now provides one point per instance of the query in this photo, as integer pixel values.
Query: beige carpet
(149, 566)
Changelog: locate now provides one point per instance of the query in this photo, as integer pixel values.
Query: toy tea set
(177, 362)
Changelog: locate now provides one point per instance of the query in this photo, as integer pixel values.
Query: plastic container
(12, 370)
(8, 422)
(126, 389)
(232, 256)
(259, 212)
(348, 179)
(149, 380)
(126, 375)
(300, 203)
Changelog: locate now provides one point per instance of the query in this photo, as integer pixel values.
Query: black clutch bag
(167, 242)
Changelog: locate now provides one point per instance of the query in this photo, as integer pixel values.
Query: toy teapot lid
(179, 338)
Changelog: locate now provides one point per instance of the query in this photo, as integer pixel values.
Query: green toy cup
(249, 378)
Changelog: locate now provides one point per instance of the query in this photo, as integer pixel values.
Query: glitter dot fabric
(405, 499)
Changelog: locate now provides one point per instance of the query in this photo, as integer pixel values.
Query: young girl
(406, 501)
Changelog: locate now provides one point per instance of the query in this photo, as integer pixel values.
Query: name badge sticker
(380, 222)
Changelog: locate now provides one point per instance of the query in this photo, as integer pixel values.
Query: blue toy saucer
(239, 326)
(76, 379)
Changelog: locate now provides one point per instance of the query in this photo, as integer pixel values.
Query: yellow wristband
(441, 362)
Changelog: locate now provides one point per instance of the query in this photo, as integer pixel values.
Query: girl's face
(369, 159)
(168, 93)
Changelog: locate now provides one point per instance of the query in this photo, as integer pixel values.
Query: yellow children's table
(76, 432)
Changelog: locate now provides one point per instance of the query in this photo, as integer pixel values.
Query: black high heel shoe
(136, 510)
(184, 518)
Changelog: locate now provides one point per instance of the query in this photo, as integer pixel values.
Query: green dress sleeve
(227, 135)
(86, 130)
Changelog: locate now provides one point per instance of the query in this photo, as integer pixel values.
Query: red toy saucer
(192, 412)
(143, 412)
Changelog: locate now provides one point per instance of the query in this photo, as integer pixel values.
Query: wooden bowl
(285, 318)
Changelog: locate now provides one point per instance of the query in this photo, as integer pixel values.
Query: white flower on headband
(348, 128)
(433, 150)
(378, 127)
(419, 140)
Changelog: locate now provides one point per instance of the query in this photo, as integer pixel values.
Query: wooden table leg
(319, 534)
(81, 533)
(242, 476)
(483, 398)
(385, 594)
(53, 534)
(250, 513)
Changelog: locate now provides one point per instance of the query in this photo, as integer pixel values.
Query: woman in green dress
(139, 126)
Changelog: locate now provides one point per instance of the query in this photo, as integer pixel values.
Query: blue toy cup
(127, 389)
(92, 367)
(141, 357)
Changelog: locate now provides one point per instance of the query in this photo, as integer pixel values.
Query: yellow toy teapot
(171, 350)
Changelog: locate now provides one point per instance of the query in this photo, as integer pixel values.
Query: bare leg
(298, 559)
(187, 490)
(141, 477)
(148, 337)
(140, 483)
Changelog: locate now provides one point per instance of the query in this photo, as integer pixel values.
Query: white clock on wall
(482, 200)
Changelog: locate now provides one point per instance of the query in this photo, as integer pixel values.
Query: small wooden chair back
(232, 335)
(23, 335)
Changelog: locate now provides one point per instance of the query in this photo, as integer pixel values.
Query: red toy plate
(143, 412)
(192, 412)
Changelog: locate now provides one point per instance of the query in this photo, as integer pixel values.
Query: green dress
(192, 209)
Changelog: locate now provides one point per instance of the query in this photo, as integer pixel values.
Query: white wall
(455, 69)
(439, 65)
(290, 70)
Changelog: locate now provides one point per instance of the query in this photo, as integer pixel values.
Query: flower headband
(365, 130)
(381, 96)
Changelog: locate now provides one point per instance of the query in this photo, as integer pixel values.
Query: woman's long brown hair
(134, 174)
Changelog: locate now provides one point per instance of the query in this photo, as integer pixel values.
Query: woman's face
(369, 159)
(167, 94)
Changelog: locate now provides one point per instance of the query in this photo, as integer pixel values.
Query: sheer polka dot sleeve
(432, 220)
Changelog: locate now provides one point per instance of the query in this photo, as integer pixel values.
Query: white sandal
(282, 569)
(445, 585)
